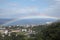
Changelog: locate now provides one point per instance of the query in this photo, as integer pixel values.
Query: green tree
(52, 32)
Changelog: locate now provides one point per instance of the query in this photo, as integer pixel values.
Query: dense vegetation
(51, 32)
(43, 32)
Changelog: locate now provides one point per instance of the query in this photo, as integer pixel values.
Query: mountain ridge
(32, 21)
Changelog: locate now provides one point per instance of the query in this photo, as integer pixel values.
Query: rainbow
(30, 17)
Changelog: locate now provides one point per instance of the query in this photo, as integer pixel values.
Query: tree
(52, 32)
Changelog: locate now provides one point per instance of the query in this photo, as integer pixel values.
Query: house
(15, 31)
(24, 30)
(6, 32)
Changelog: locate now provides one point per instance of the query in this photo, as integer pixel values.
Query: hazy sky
(25, 8)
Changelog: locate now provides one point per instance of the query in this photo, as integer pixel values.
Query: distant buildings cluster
(4, 30)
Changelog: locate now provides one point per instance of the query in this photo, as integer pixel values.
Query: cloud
(16, 12)
(53, 10)
(3, 1)
(28, 10)
(57, 0)
(12, 4)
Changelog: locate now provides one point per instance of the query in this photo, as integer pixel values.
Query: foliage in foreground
(52, 32)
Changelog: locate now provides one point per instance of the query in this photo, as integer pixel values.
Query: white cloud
(18, 11)
(12, 4)
(53, 10)
(28, 10)
(57, 0)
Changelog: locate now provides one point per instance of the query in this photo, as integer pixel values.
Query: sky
(14, 9)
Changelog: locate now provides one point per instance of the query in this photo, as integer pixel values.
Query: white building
(24, 30)
(6, 32)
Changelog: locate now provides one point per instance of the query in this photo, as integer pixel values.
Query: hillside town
(30, 32)
(23, 29)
